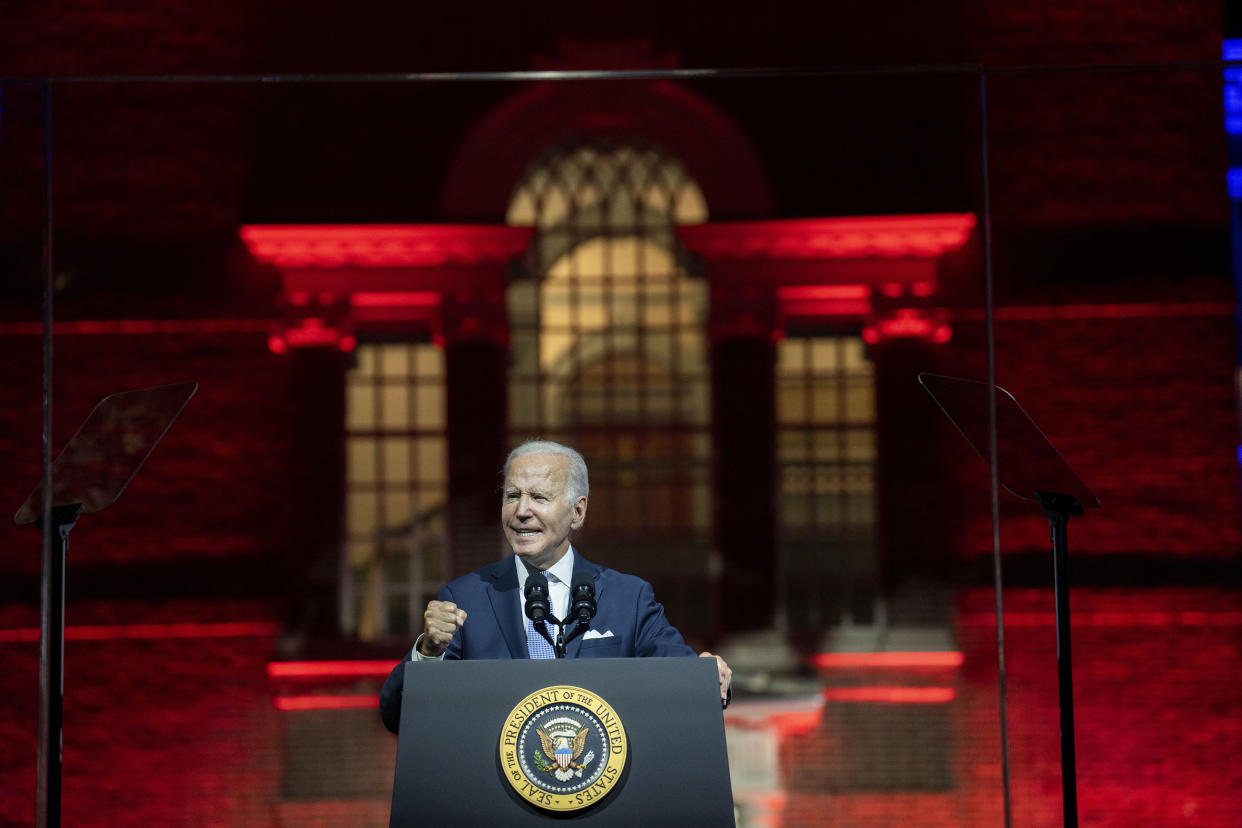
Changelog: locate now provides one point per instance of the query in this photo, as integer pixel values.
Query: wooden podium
(533, 742)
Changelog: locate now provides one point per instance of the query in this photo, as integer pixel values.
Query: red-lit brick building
(721, 285)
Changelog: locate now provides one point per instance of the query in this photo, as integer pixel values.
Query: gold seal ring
(585, 738)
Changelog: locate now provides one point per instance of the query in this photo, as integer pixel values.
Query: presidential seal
(563, 748)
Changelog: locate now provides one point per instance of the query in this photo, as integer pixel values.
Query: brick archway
(496, 153)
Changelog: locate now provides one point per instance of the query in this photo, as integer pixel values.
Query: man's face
(536, 511)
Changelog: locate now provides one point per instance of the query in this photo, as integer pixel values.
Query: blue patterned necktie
(536, 645)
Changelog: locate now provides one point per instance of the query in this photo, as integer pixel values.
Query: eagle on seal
(561, 750)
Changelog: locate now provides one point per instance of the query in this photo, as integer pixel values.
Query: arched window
(609, 354)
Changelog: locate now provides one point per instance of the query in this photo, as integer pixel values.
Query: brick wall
(1157, 705)
(213, 487)
(1143, 409)
(183, 732)
(1154, 736)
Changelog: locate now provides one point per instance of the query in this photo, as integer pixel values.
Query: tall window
(395, 488)
(825, 411)
(609, 354)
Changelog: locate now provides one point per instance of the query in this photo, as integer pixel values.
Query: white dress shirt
(560, 575)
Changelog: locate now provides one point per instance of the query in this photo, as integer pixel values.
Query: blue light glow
(1234, 179)
(1233, 91)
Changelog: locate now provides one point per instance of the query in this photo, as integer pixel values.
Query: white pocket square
(592, 634)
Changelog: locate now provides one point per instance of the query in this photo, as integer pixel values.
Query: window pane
(791, 404)
(428, 361)
(431, 406)
(359, 406)
(398, 515)
(394, 360)
(824, 356)
(396, 460)
(523, 405)
(360, 553)
(790, 357)
(657, 312)
(432, 460)
(860, 402)
(366, 359)
(360, 511)
(825, 403)
(523, 302)
(360, 460)
(395, 406)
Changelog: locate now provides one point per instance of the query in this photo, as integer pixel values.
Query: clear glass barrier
(109, 448)
(1027, 463)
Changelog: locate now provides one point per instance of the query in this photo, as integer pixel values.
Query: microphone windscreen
(536, 593)
(582, 593)
(536, 581)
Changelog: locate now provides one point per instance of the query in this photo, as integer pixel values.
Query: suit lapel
(581, 564)
(502, 591)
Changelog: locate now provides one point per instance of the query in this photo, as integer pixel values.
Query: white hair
(577, 486)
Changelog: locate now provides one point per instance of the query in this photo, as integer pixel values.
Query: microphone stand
(559, 644)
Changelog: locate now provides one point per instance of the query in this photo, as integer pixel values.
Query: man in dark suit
(481, 615)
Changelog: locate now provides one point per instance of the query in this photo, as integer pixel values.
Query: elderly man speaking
(482, 615)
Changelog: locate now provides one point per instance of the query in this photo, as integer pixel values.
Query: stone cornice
(870, 237)
(384, 245)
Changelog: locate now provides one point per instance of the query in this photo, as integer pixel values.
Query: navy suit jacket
(495, 627)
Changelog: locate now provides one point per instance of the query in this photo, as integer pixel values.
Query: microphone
(582, 596)
(537, 606)
(539, 610)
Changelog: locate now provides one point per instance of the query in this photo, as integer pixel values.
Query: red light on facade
(908, 236)
(124, 632)
(947, 658)
(347, 343)
(395, 299)
(1133, 310)
(329, 669)
(824, 300)
(383, 245)
(835, 307)
(803, 293)
(891, 695)
(112, 327)
(313, 332)
(798, 723)
(892, 289)
(906, 323)
(276, 344)
(922, 289)
(1119, 620)
(353, 702)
